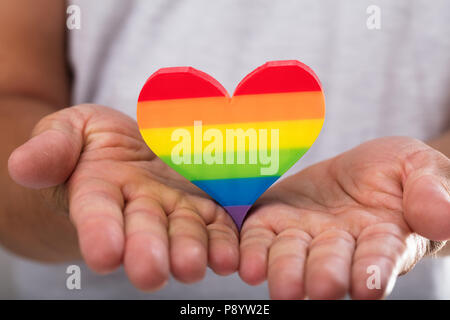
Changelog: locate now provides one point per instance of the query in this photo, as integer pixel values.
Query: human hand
(316, 233)
(126, 204)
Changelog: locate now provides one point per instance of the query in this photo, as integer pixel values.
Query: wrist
(442, 143)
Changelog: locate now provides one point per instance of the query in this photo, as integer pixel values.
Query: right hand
(125, 203)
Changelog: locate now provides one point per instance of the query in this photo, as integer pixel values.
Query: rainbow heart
(232, 148)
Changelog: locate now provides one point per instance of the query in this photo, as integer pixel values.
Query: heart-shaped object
(232, 148)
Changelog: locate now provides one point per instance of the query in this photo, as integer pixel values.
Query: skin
(316, 233)
(85, 185)
(125, 203)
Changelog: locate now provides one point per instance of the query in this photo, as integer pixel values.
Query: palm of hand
(128, 206)
(317, 233)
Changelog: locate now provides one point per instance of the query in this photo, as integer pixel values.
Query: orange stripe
(244, 108)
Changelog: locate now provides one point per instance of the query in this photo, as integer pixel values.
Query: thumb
(426, 197)
(50, 156)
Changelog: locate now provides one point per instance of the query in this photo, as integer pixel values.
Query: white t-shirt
(389, 81)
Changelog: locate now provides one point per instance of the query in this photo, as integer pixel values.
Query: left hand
(128, 207)
(316, 233)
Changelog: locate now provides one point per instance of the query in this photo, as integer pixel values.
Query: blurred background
(6, 287)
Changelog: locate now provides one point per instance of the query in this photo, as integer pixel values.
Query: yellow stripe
(292, 134)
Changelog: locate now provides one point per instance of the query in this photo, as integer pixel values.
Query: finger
(188, 245)
(377, 261)
(329, 265)
(254, 249)
(223, 244)
(50, 156)
(146, 259)
(287, 257)
(427, 194)
(96, 211)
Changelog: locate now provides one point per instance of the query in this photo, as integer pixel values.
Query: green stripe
(287, 158)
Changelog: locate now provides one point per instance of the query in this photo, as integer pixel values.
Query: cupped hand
(125, 203)
(325, 231)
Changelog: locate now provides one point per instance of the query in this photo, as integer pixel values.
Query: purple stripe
(237, 213)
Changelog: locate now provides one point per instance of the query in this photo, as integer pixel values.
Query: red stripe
(180, 83)
(279, 76)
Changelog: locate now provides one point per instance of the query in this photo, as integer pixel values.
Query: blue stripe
(236, 192)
